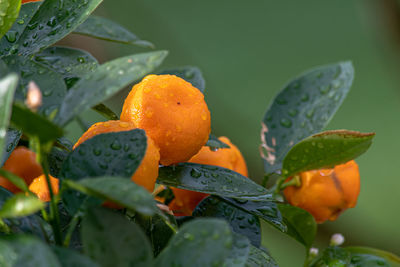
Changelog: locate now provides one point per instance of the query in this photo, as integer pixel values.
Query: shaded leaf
(56, 159)
(239, 252)
(190, 74)
(105, 112)
(393, 259)
(72, 258)
(14, 179)
(214, 143)
(11, 141)
(20, 205)
(303, 107)
(260, 258)
(9, 10)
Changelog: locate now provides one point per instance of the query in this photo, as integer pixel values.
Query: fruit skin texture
(39, 187)
(22, 162)
(172, 112)
(147, 172)
(185, 201)
(326, 193)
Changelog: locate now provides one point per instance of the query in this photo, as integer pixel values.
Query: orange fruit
(172, 112)
(39, 187)
(185, 201)
(147, 172)
(326, 193)
(28, 1)
(22, 162)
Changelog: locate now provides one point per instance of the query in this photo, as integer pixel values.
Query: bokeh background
(248, 50)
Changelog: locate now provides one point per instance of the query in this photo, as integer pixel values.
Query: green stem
(4, 227)
(71, 228)
(279, 183)
(295, 181)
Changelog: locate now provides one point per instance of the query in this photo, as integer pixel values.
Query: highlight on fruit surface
(40, 188)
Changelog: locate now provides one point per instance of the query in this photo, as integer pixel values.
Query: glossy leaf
(260, 258)
(214, 143)
(20, 205)
(189, 74)
(239, 252)
(105, 111)
(303, 107)
(111, 239)
(118, 190)
(325, 150)
(391, 258)
(212, 180)
(56, 159)
(7, 88)
(33, 124)
(105, 81)
(54, 20)
(241, 222)
(300, 224)
(9, 10)
(114, 154)
(24, 250)
(11, 141)
(72, 258)
(14, 179)
(201, 242)
(108, 30)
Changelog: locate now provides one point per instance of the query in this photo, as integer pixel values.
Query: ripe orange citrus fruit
(172, 112)
(39, 187)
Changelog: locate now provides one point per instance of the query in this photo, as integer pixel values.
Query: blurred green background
(248, 50)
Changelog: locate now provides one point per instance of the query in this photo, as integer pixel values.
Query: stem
(4, 227)
(279, 183)
(71, 229)
(295, 181)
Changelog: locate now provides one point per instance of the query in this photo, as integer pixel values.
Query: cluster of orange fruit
(177, 121)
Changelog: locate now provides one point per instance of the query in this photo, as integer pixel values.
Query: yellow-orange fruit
(326, 193)
(173, 113)
(147, 172)
(185, 201)
(39, 187)
(22, 162)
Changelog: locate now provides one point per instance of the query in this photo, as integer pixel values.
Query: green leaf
(189, 74)
(24, 250)
(11, 141)
(214, 143)
(105, 81)
(17, 181)
(105, 112)
(114, 154)
(49, 82)
(239, 252)
(118, 190)
(260, 258)
(9, 10)
(241, 222)
(54, 20)
(56, 159)
(303, 107)
(33, 124)
(212, 180)
(111, 239)
(108, 30)
(20, 205)
(7, 89)
(393, 259)
(71, 63)
(300, 224)
(266, 210)
(325, 150)
(72, 258)
(200, 242)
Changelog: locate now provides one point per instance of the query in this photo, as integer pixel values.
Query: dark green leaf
(56, 159)
(115, 154)
(9, 10)
(105, 112)
(302, 108)
(72, 258)
(24, 250)
(105, 81)
(111, 239)
(7, 89)
(20, 205)
(118, 190)
(391, 258)
(11, 141)
(239, 252)
(189, 74)
(260, 258)
(301, 224)
(214, 143)
(200, 242)
(241, 222)
(49, 82)
(108, 30)
(33, 124)
(17, 181)
(212, 180)
(325, 150)
(266, 210)
(53, 21)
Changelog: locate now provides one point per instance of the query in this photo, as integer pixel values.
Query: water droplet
(215, 236)
(214, 149)
(310, 113)
(81, 59)
(305, 98)
(52, 22)
(20, 21)
(293, 112)
(11, 36)
(195, 173)
(286, 123)
(116, 145)
(269, 117)
(336, 84)
(281, 101)
(82, 152)
(324, 89)
(188, 236)
(320, 145)
(33, 25)
(96, 151)
(48, 92)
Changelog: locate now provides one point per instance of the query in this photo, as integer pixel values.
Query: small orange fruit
(172, 112)
(28, 1)
(185, 201)
(147, 172)
(39, 187)
(326, 193)
(22, 162)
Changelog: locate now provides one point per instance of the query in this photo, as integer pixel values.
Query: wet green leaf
(111, 239)
(105, 111)
(20, 205)
(56, 159)
(260, 258)
(325, 150)
(212, 180)
(239, 252)
(95, 87)
(393, 259)
(11, 141)
(72, 258)
(303, 107)
(214, 143)
(190, 74)
(9, 10)
(108, 30)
